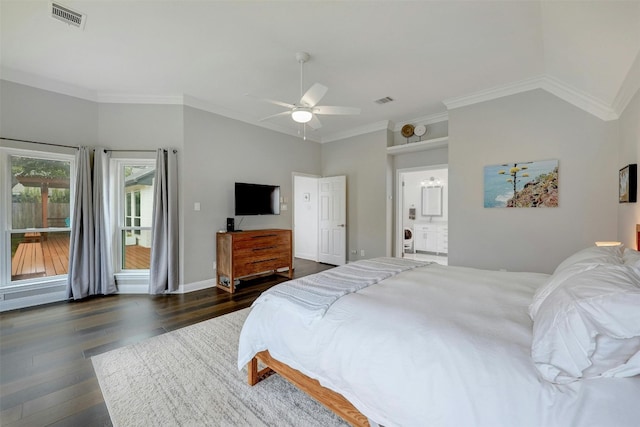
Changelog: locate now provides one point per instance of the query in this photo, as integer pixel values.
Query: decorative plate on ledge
(420, 130)
(407, 131)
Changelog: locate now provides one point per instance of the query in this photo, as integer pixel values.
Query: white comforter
(437, 346)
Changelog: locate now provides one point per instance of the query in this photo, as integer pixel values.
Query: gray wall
(38, 115)
(438, 156)
(363, 159)
(530, 126)
(214, 152)
(629, 213)
(218, 152)
(140, 127)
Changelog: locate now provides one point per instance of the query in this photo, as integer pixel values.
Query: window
(132, 210)
(135, 181)
(37, 208)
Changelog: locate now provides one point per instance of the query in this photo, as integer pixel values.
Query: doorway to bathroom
(422, 211)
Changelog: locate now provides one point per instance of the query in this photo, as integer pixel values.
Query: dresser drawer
(260, 253)
(258, 241)
(255, 266)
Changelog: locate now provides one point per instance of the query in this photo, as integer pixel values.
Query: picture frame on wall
(524, 184)
(628, 184)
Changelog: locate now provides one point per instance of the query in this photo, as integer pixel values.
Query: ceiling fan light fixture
(301, 115)
(307, 110)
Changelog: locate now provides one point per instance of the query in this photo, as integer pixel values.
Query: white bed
(437, 346)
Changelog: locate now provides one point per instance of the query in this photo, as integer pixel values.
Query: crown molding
(629, 88)
(126, 98)
(493, 93)
(580, 99)
(550, 84)
(50, 85)
(361, 130)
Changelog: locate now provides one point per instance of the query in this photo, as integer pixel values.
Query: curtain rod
(131, 151)
(41, 143)
(137, 151)
(74, 147)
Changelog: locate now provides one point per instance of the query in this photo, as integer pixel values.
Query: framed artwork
(628, 184)
(532, 184)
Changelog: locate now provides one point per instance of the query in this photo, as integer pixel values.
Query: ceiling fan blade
(313, 95)
(272, 101)
(284, 113)
(314, 123)
(335, 110)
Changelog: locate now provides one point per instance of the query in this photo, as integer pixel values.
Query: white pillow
(631, 257)
(583, 260)
(589, 326)
(593, 255)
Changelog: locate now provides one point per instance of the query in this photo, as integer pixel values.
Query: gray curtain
(103, 238)
(88, 273)
(163, 275)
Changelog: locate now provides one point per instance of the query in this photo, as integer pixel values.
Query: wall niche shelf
(411, 147)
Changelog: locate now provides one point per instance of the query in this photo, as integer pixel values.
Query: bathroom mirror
(432, 201)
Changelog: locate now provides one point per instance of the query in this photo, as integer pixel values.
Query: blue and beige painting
(521, 185)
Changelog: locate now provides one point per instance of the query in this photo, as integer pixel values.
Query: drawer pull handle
(263, 249)
(264, 260)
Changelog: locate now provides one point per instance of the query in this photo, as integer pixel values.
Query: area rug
(189, 377)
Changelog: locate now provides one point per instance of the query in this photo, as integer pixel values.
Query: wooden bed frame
(329, 398)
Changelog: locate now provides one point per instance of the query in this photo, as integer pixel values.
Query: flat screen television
(257, 199)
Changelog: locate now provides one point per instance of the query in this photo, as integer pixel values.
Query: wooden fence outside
(29, 215)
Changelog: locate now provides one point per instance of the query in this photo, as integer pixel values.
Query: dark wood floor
(46, 375)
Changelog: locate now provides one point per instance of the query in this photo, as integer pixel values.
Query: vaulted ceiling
(423, 54)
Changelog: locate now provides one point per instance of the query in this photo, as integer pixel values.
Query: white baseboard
(196, 286)
(132, 283)
(32, 300)
(129, 289)
(142, 287)
(139, 286)
(308, 256)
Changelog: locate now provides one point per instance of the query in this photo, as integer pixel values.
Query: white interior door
(305, 216)
(332, 220)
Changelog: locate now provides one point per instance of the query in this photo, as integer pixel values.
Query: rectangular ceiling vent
(68, 16)
(383, 100)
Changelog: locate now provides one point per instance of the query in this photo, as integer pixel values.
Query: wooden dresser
(247, 253)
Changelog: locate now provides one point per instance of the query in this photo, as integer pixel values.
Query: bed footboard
(329, 398)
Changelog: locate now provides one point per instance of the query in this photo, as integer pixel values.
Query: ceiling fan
(306, 110)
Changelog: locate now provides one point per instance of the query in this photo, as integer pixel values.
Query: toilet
(408, 239)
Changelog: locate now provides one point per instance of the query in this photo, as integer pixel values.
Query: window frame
(6, 217)
(119, 214)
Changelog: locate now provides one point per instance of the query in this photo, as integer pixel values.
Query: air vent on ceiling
(68, 16)
(383, 100)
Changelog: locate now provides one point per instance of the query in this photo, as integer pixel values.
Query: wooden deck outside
(50, 257)
(137, 257)
(41, 255)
